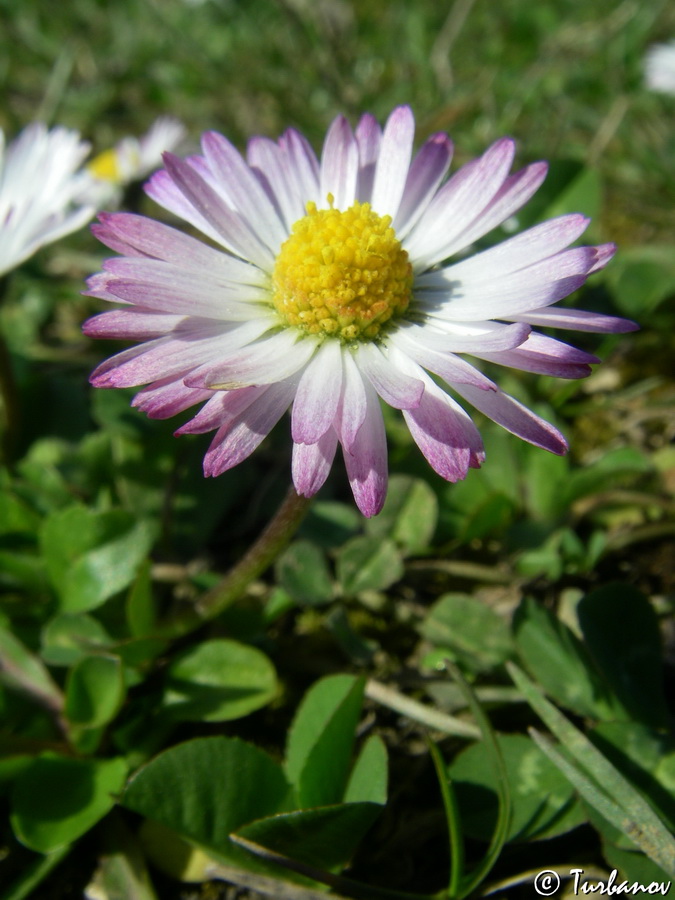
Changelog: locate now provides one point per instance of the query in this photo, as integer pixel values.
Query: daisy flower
(39, 191)
(660, 68)
(132, 158)
(329, 284)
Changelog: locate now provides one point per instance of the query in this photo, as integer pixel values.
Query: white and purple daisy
(327, 286)
(40, 187)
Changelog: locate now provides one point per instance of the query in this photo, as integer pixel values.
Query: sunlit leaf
(218, 680)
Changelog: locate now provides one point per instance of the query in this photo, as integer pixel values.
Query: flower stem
(276, 536)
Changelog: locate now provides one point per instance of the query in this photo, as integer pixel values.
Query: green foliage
(218, 680)
(110, 536)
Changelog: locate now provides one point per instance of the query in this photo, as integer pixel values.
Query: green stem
(275, 538)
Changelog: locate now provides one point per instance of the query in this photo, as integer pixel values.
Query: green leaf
(57, 799)
(560, 662)
(68, 638)
(543, 801)
(330, 524)
(409, 514)
(23, 671)
(642, 278)
(321, 739)
(218, 680)
(303, 571)
(324, 838)
(472, 632)
(94, 691)
(622, 634)
(368, 779)
(91, 556)
(208, 788)
(569, 187)
(366, 563)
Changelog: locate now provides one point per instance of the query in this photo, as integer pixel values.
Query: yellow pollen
(342, 274)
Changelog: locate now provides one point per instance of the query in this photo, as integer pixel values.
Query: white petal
(249, 198)
(396, 388)
(272, 168)
(318, 394)
(393, 162)
(352, 407)
(339, 165)
(368, 136)
(234, 232)
(269, 360)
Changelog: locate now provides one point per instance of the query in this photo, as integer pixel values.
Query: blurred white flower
(131, 159)
(40, 191)
(660, 68)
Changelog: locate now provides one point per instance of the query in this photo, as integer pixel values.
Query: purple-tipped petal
(272, 169)
(368, 136)
(303, 167)
(318, 394)
(445, 434)
(515, 417)
(426, 173)
(236, 440)
(352, 407)
(393, 385)
(168, 397)
(339, 165)
(312, 463)
(366, 461)
(545, 356)
(579, 320)
(133, 235)
(458, 203)
(233, 231)
(393, 162)
(130, 324)
(244, 189)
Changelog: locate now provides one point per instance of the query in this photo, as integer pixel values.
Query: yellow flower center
(106, 166)
(342, 274)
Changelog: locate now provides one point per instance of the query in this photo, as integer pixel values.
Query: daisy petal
(272, 169)
(515, 417)
(236, 440)
(393, 162)
(445, 434)
(339, 165)
(396, 388)
(366, 461)
(249, 198)
(545, 356)
(232, 229)
(312, 462)
(368, 136)
(426, 173)
(352, 407)
(578, 319)
(318, 394)
(168, 397)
